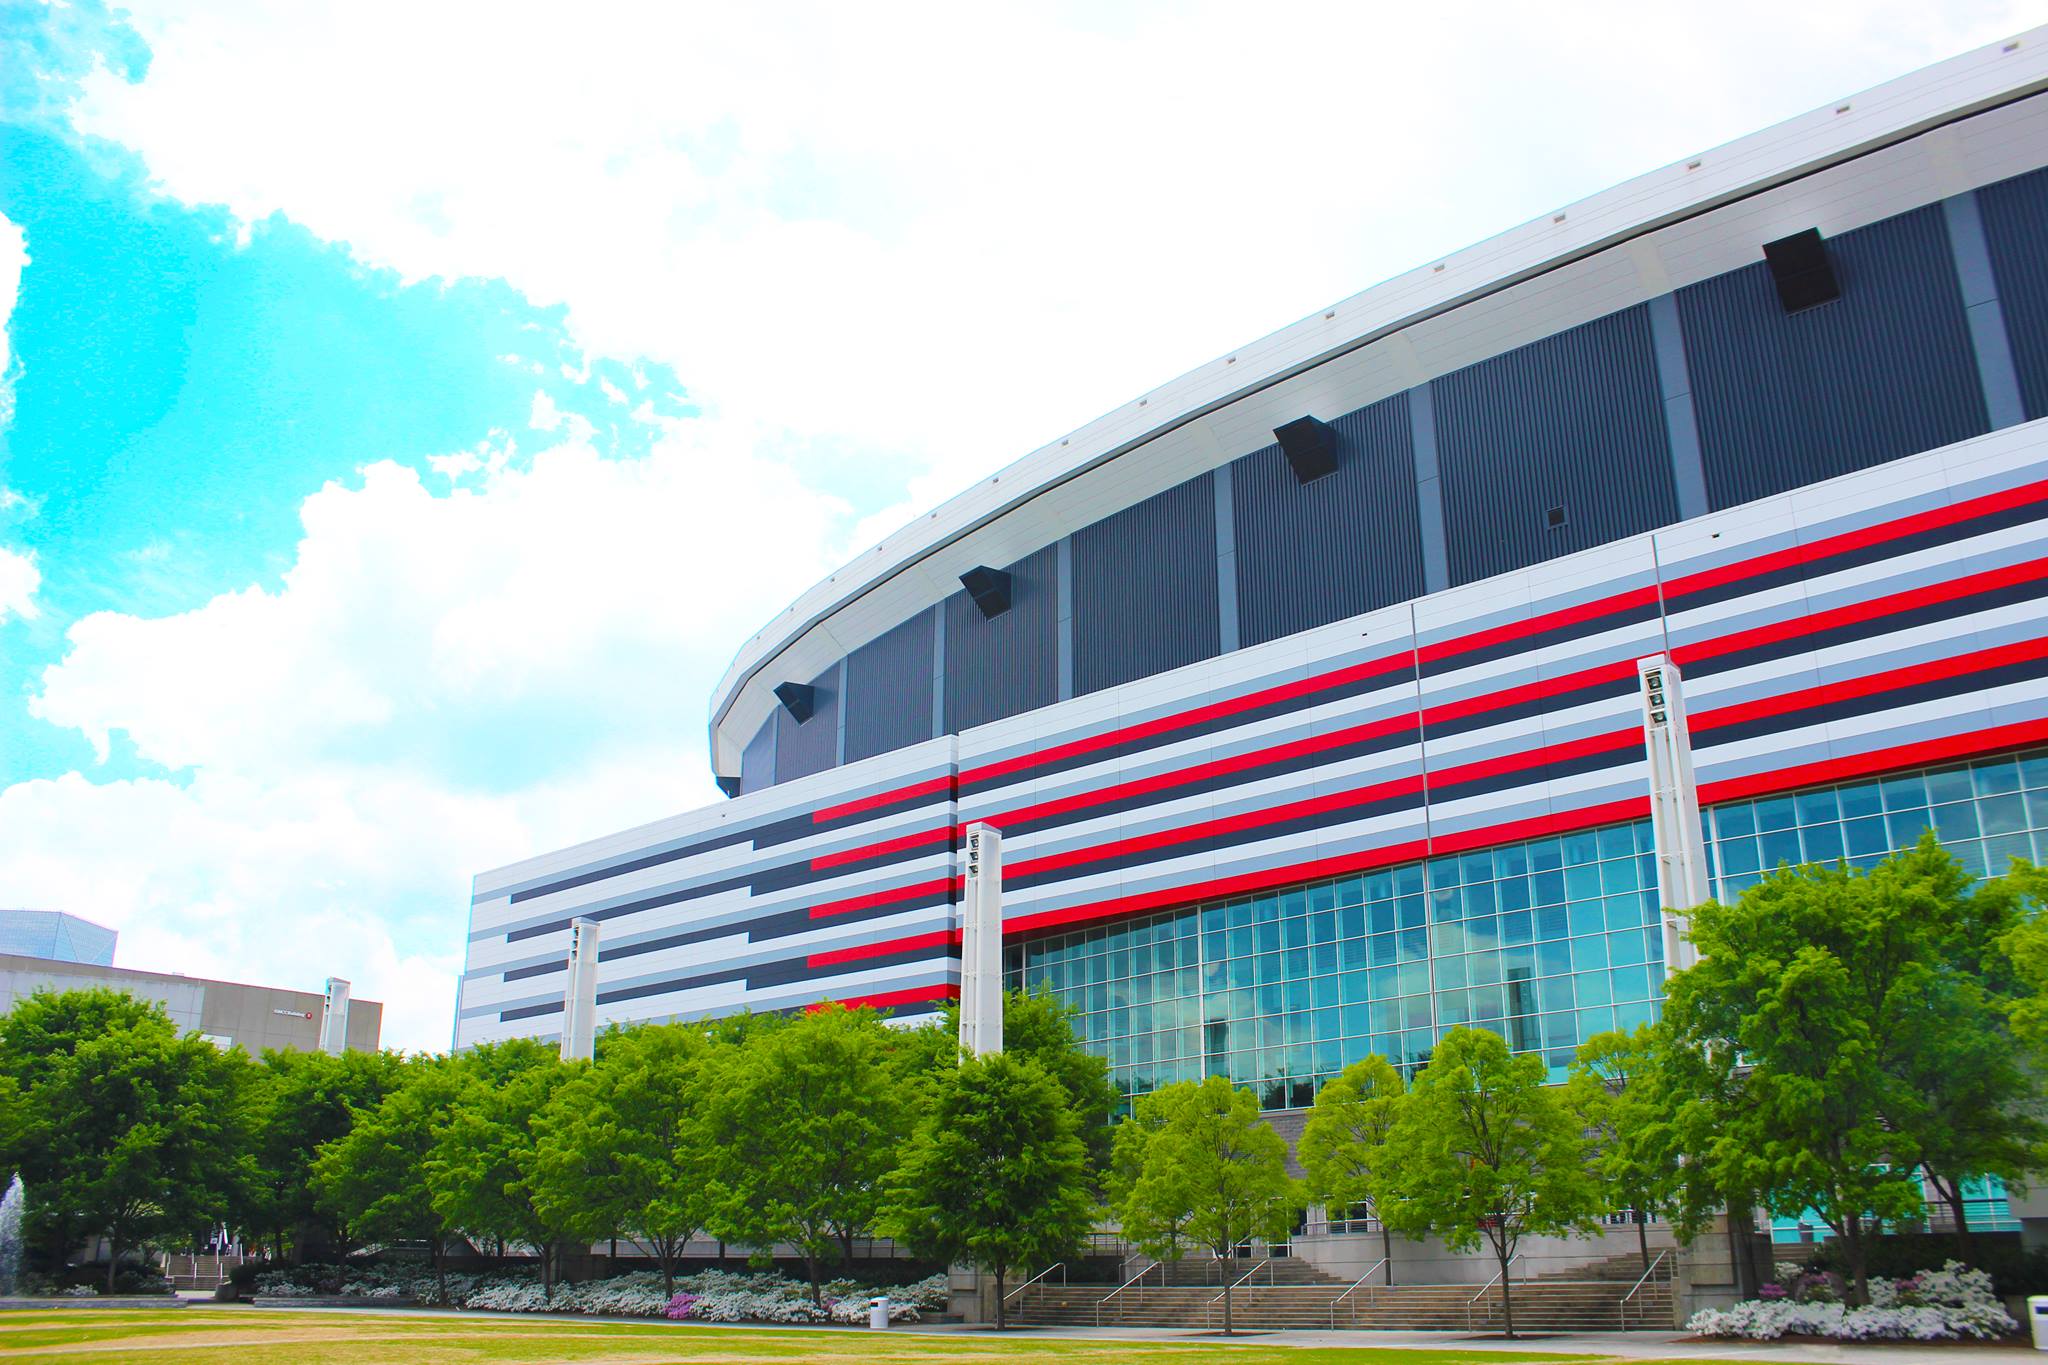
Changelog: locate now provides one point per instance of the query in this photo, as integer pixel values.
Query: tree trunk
(1507, 1294)
(1387, 1252)
(1852, 1244)
(1643, 1236)
(1229, 1327)
(611, 1262)
(547, 1271)
(1951, 1192)
(817, 1286)
(439, 1246)
(666, 1248)
(1000, 1323)
(113, 1259)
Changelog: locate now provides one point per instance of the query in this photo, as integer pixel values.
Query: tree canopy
(996, 1174)
(1343, 1143)
(1205, 1168)
(1484, 1151)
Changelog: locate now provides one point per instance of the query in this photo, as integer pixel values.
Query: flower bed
(708, 1296)
(1936, 1305)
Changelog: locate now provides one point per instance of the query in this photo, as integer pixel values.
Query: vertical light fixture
(579, 1001)
(1674, 805)
(334, 1017)
(981, 943)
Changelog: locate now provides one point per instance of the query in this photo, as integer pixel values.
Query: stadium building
(1358, 684)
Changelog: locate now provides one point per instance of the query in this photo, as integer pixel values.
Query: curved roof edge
(1883, 116)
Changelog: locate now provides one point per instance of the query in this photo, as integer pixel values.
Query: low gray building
(225, 1012)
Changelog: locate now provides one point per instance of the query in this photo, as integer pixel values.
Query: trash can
(878, 1312)
(2037, 1319)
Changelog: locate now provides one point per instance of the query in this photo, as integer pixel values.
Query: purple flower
(680, 1306)
(1770, 1291)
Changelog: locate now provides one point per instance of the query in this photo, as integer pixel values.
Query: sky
(406, 411)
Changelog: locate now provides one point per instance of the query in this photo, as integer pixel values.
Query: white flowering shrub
(707, 1296)
(1934, 1305)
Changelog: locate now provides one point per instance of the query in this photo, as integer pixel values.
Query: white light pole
(579, 1000)
(981, 943)
(1674, 806)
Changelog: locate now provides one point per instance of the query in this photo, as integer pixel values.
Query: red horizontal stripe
(2019, 735)
(1557, 822)
(929, 787)
(938, 938)
(1513, 761)
(1164, 724)
(827, 909)
(1537, 625)
(1829, 546)
(1923, 753)
(1313, 744)
(1259, 758)
(1816, 622)
(889, 999)
(1814, 552)
(1873, 684)
(942, 834)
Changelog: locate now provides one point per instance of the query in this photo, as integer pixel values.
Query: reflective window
(1545, 942)
(1985, 812)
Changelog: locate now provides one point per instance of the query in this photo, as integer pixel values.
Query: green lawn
(270, 1337)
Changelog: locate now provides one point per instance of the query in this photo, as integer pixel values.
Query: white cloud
(921, 237)
(946, 232)
(19, 579)
(13, 260)
(441, 684)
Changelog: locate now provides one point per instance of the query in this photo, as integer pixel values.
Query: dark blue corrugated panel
(813, 746)
(889, 690)
(757, 760)
(1312, 553)
(1145, 588)
(2016, 230)
(996, 668)
(1575, 421)
(1885, 371)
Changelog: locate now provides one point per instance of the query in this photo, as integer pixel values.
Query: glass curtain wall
(1546, 941)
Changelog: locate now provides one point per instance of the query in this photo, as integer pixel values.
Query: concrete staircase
(1289, 1293)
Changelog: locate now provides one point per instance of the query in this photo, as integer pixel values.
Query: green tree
(1343, 1143)
(127, 1130)
(623, 1145)
(298, 1101)
(996, 1174)
(1484, 1151)
(1842, 1032)
(807, 1117)
(373, 1179)
(1211, 1172)
(1616, 1101)
(482, 1168)
(1035, 1025)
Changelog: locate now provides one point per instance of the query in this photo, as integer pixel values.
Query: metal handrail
(1265, 1264)
(1354, 1286)
(1159, 1266)
(1648, 1271)
(1017, 1293)
(1488, 1286)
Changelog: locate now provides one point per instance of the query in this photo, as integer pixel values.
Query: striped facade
(1153, 728)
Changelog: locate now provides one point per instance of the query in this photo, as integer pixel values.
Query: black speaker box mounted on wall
(1310, 445)
(799, 699)
(990, 589)
(1800, 268)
